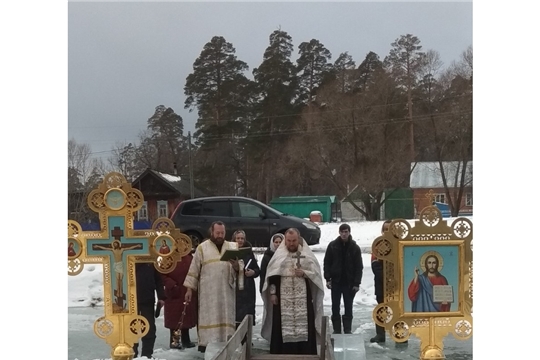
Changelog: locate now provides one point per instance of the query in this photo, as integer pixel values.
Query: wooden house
(162, 193)
(426, 176)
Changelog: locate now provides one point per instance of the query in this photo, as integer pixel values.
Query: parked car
(193, 217)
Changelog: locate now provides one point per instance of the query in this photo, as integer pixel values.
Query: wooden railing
(327, 349)
(234, 349)
(239, 345)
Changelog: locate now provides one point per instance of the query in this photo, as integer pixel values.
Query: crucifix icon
(298, 256)
(117, 249)
(117, 246)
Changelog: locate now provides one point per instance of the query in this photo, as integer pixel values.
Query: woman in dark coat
(275, 240)
(174, 304)
(245, 299)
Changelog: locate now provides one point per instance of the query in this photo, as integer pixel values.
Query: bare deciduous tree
(84, 173)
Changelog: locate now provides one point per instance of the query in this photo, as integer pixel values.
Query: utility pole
(191, 187)
(411, 124)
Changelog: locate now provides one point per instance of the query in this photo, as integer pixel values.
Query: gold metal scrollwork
(103, 327)
(400, 331)
(134, 200)
(463, 329)
(383, 313)
(400, 229)
(414, 256)
(169, 245)
(462, 228)
(430, 216)
(113, 180)
(75, 267)
(96, 200)
(139, 326)
(117, 246)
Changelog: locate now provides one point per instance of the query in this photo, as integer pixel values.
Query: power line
(332, 127)
(322, 127)
(203, 120)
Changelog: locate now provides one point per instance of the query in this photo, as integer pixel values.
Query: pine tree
(343, 72)
(405, 61)
(277, 89)
(167, 135)
(312, 67)
(276, 77)
(215, 85)
(367, 69)
(220, 92)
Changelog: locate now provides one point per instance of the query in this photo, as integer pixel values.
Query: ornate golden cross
(118, 250)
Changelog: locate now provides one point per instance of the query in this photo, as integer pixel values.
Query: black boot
(347, 324)
(381, 335)
(336, 324)
(186, 342)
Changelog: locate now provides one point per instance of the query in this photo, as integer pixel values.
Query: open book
(443, 293)
(232, 254)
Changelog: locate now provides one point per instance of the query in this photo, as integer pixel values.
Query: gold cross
(121, 326)
(430, 196)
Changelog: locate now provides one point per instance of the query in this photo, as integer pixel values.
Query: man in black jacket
(343, 269)
(148, 282)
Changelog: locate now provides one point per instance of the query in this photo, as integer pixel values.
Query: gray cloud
(126, 58)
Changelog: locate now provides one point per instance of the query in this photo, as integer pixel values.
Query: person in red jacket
(174, 303)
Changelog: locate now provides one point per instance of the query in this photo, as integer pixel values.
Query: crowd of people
(215, 296)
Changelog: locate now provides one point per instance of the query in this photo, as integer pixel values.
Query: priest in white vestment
(293, 294)
(215, 283)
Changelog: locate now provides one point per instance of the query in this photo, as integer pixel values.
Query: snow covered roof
(168, 177)
(178, 183)
(428, 174)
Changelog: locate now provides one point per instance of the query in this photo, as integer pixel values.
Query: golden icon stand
(427, 280)
(118, 247)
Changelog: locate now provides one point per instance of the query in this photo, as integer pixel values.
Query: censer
(176, 342)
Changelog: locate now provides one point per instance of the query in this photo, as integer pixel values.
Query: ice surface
(349, 347)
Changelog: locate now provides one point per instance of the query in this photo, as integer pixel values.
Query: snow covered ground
(85, 290)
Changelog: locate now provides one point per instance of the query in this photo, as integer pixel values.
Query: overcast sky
(126, 58)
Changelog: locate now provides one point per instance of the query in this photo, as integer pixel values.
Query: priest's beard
(218, 241)
(292, 248)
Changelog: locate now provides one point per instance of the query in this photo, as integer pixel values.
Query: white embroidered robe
(215, 282)
(293, 291)
(294, 307)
